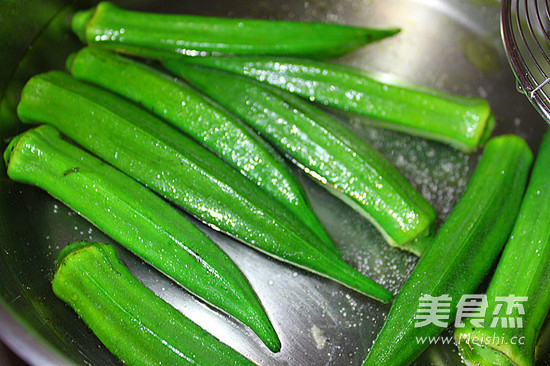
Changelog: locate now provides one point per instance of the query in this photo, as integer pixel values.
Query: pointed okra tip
(385, 296)
(389, 32)
(272, 342)
(372, 35)
(418, 245)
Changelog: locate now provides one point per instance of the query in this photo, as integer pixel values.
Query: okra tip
(418, 245)
(273, 343)
(385, 296)
(80, 22)
(378, 34)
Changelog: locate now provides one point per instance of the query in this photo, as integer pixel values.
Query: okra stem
(461, 254)
(523, 276)
(462, 122)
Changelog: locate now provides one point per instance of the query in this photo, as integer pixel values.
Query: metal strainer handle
(525, 27)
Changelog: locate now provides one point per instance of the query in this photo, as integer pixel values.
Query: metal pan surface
(451, 45)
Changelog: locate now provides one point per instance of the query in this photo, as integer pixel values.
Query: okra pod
(523, 277)
(161, 35)
(129, 319)
(462, 122)
(461, 254)
(325, 149)
(139, 220)
(183, 172)
(209, 125)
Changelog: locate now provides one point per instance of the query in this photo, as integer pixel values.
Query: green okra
(462, 122)
(462, 253)
(523, 276)
(209, 125)
(183, 172)
(160, 35)
(139, 220)
(325, 149)
(129, 319)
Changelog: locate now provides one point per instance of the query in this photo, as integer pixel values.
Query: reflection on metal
(526, 36)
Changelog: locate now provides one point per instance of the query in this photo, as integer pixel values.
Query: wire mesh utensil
(525, 26)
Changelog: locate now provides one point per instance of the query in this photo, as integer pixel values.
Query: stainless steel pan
(452, 45)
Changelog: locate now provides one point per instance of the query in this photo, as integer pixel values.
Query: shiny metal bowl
(526, 38)
(451, 45)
